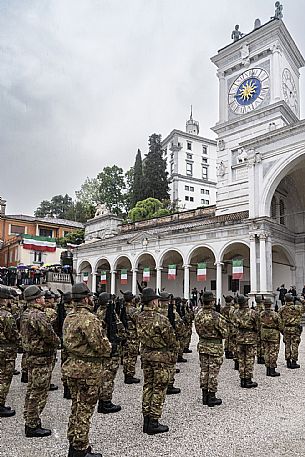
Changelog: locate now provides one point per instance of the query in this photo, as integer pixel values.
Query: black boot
(288, 363)
(53, 387)
(274, 373)
(249, 384)
(37, 432)
(107, 407)
(181, 359)
(6, 411)
(16, 372)
(67, 393)
(230, 355)
(154, 427)
(24, 377)
(294, 364)
(187, 351)
(204, 396)
(226, 354)
(146, 420)
(87, 453)
(177, 370)
(171, 390)
(70, 453)
(131, 380)
(260, 360)
(212, 400)
(268, 371)
(236, 365)
(242, 382)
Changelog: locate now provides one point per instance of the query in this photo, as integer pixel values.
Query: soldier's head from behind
(5, 295)
(49, 297)
(150, 297)
(67, 298)
(128, 296)
(268, 302)
(81, 295)
(259, 299)
(33, 294)
(288, 298)
(208, 299)
(229, 299)
(164, 299)
(242, 301)
(104, 298)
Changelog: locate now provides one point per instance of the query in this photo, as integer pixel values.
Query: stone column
(134, 281)
(78, 277)
(158, 279)
(112, 282)
(186, 292)
(262, 263)
(252, 180)
(276, 73)
(269, 264)
(222, 96)
(93, 281)
(253, 267)
(218, 281)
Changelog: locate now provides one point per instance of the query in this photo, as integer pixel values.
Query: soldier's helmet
(80, 290)
(5, 292)
(128, 295)
(32, 292)
(13, 292)
(268, 302)
(242, 299)
(148, 294)
(259, 299)
(48, 295)
(67, 296)
(164, 296)
(208, 296)
(104, 298)
(288, 298)
(229, 299)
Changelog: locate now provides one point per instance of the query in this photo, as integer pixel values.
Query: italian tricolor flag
(202, 272)
(146, 274)
(39, 243)
(85, 276)
(124, 278)
(171, 272)
(103, 277)
(237, 269)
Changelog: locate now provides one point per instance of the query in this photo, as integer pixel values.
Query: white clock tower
(258, 93)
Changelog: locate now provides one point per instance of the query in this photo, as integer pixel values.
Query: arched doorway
(103, 276)
(283, 268)
(202, 266)
(235, 258)
(84, 273)
(123, 268)
(172, 272)
(146, 271)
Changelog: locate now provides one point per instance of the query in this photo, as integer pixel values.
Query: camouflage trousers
(229, 346)
(156, 378)
(271, 352)
(24, 367)
(84, 393)
(291, 346)
(110, 367)
(188, 336)
(7, 368)
(210, 366)
(130, 355)
(63, 358)
(246, 356)
(260, 347)
(37, 393)
(234, 347)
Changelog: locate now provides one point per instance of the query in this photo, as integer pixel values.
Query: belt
(294, 325)
(85, 359)
(214, 340)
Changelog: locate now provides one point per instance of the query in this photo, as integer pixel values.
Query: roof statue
(101, 210)
(236, 34)
(278, 11)
(257, 24)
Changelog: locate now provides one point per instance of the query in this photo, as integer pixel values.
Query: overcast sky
(83, 83)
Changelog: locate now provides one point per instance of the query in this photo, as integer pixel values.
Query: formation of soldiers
(95, 334)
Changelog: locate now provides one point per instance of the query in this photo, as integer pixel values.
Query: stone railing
(58, 277)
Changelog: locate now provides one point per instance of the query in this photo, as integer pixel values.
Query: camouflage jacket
(85, 342)
(291, 315)
(115, 335)
(157, 337)
(247, 325)
(132, 313)
(211, 328)
(270, 326)
(227, 311)
(189, 315)
(39, 340)
(52, 316)
(9, 336)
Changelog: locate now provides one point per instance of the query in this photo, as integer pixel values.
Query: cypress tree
(137, 190)
(155, 178)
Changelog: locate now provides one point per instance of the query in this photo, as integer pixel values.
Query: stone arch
(122, 260)
(84, 272)
(170, 257)
(229, 244)
(123, 278)
(146, 260)
(195, 248)
(140, 256)
(167, 251)
(237, 249)
(283, 267)
(103, 266)
(100, 260)
(202, 254)
(82, 264)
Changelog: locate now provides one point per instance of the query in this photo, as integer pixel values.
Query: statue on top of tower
(278, 11)
(236, 34)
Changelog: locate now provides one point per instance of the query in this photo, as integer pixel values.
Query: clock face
(248, 91)
(290, 90)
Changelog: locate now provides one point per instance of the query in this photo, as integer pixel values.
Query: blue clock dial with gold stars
(248, 91)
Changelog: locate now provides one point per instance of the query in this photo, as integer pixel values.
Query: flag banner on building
(103, 277)
(237, 269)
(202, 272)
(171, 272)
(39, 243)
(146, 274)
(85, 276)
(124, 278)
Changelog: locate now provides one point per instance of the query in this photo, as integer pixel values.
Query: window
(204, 173)
(46, 232)
(205, 202)
(172, 167)
(213, 284)
(172, 155)
(186, 198)
(233, 284)
(189, 156)
(17, 230)
(207, 192)
(191, 199)
(282, 212)
(204, 160)
(202, 191)
(189, 146)
(38, 256)
(204, 149)
(187, 187)
(273, 208)
(189, 169)
(192, 189)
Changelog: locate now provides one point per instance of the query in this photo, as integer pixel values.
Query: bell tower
(191, 125)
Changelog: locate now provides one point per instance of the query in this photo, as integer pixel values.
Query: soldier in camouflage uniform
(131, 345)
(50, 310)
(181, 329)
(67, 308)
(39, 341)
(86, 345)
(188, 321)
(115, 331)
(227, 311)
(164, 310)
(270, 328)
(9, 342)
(259, 308)
(233, 333)
(246, 323)
(211, 328)
(158, 348)
(291, 314)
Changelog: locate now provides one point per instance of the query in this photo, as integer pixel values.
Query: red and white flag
(237, 269)
(146, 274)
(103, 277)
(124, 277)
(172, 272)
(202, 272)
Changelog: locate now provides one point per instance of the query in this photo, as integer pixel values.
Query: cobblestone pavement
(267, 421)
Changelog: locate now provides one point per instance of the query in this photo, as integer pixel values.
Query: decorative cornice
(189, 136)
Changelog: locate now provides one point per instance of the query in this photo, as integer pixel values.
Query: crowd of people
(97, 332)
(29, 274)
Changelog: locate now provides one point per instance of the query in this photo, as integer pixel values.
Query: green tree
(129, 183)
(112, 189)
(147, 209)
(138, 185)
(59, 206)
(155, 179)
(75, 237)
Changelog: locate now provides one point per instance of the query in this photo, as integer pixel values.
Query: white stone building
(260, 205)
